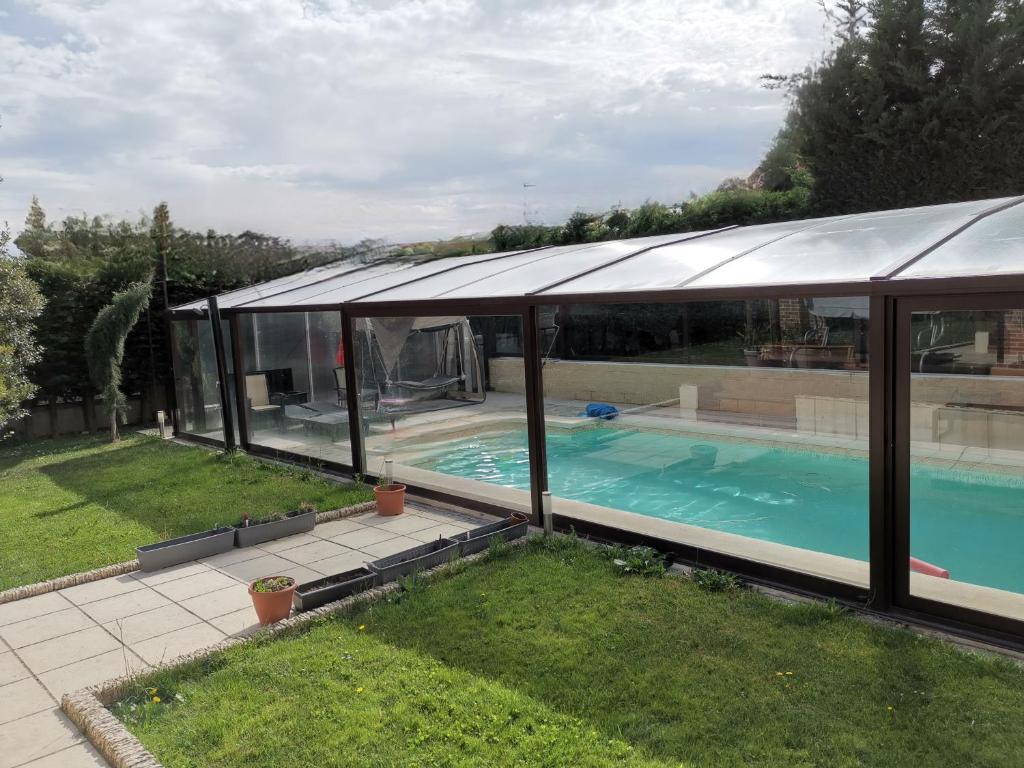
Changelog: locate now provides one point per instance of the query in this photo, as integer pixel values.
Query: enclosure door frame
(1009, 630)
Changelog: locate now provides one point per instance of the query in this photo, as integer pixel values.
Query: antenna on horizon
(526, 206)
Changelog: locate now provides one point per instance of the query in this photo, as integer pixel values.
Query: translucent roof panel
(671, 265)
(992, 246)
(557, 265)
(278, 286)
(443, 284)
(391, 279)
(851, 248)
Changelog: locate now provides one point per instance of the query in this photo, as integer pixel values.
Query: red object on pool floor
(928, 569)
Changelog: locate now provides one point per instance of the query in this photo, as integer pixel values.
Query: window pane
(439, 400)
(739, 426)
(195, 378)
(967, 459)
(294, 379)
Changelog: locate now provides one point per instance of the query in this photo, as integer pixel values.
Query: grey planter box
(421, 558)
(313, 594)
(153, 557)
(275, 529)
(478, 539)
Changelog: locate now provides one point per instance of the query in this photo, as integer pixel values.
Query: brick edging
(119, 569)
(87, 708)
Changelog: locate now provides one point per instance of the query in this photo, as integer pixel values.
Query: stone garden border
(119, 569)
(87, 708)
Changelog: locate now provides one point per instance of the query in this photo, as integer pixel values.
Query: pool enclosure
(834, 405)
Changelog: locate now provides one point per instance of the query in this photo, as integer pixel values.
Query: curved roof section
(973, 238)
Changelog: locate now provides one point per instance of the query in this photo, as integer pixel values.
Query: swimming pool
(969, 523)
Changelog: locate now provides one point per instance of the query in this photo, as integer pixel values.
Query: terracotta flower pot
(272, 606)
(390, 499)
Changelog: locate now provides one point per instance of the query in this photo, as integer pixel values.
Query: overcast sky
(400, 119)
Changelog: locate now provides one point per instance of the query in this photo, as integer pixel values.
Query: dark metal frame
(891, 300)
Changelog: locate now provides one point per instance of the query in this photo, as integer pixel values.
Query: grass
(70, 505)
(551, 657)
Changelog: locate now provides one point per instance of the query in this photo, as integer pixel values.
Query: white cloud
(399, 118)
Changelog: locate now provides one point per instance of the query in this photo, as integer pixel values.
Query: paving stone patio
(80, 636)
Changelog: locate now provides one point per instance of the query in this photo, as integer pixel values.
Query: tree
(921, 102)
(104, 347)
(20, 304)
(32, 240)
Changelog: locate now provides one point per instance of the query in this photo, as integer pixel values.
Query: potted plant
(413, 560)
(272, 598)
(275, 526)
(390, 495)
(313, 594)
(478, 539)
(153, 557)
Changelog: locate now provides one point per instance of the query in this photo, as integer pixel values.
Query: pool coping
(88, 709)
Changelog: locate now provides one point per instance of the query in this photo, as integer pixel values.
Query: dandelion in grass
(359, 689)
(156, 699)
(362, 627)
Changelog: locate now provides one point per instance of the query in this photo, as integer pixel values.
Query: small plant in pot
(390, 495)
(272, 598)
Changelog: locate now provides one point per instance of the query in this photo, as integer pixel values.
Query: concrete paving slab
(364, 537)
(45, 627)
(60, 651)
(82, 755)
(31, 607)
(198, 584)
(268, 565)
(174, 644)
(346, 561)
(336, 528)
(123, 606)
(318, 550)
(104, 588)
(236, 555)
(23, 698)
(30, 738)
(406, 523)
(159, 621)
(241, 622)
(152, 578)
(390, 547)
(218, 603)
(288, 542)
(11, 668)
(91, 671)
(445, 530)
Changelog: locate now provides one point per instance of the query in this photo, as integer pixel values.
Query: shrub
(712, 580)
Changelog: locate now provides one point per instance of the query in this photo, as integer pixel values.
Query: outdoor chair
(258, 396)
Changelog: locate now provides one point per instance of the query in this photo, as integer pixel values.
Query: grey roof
(973, 238)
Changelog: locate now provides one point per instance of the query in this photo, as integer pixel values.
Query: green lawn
(549, 657)
(75, 504)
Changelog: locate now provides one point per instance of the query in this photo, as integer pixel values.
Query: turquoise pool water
(969, 523)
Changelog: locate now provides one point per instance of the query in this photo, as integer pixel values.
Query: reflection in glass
(967, 458)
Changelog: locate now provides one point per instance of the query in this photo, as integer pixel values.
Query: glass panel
(287, 283)
(334, 290)
(294, 379)
(672, 265)
(439, 398)
(967, 459)
(992, 246)
(849, 248)
(195, 378)
(527, 275)
(737, 426)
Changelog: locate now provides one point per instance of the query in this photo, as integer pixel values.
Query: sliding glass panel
(967, 459)
(195, 378)
(443, 399)
(294, 380)
(738, 426)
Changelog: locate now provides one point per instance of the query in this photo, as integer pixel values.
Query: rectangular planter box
(313, 594)
(275, 529)
(153, 557)
(421, 558)
(478, 539)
